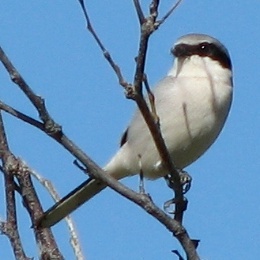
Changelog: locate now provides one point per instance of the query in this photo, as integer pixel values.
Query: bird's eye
(204, 47)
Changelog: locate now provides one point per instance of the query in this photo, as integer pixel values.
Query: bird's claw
(185, 180)
(167, 204)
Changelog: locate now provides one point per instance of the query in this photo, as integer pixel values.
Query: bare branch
(37, 101)
(139, 11)
(12, 168)
(74, 240)
(45, 240)
(106, 54)
(165, 17)
(154, 9)
(21, 116)
(9, 228)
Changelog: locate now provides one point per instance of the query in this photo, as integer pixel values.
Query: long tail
(70, 202)
(83, 193)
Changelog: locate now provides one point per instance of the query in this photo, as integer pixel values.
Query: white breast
(192, 104)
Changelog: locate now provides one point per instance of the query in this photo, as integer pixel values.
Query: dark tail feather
(70, 202)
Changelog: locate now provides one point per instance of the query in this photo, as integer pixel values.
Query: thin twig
(165, 17)
(13, 168)
(37, 101)
(176, 252)
(48, 247)
(10, 110)
(139, 11)
(106, 54)
(10, 228)
(74, 240)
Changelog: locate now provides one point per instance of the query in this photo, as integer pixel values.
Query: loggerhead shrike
(192, 103)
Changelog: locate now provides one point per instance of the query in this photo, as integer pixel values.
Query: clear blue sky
(48, 43)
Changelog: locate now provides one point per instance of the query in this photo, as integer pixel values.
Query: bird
(192, 103)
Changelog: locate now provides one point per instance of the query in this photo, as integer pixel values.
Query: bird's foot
(185, 180)
(169, 205)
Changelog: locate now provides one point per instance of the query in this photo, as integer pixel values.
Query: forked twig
(37, 101)
(106, 54)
